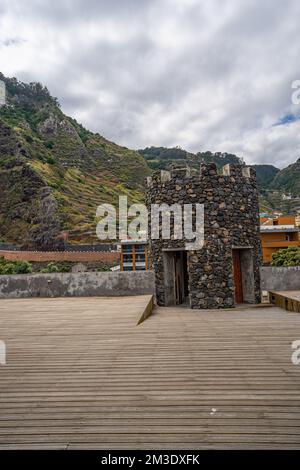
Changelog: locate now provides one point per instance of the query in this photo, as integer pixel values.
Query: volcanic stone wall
(231, 220)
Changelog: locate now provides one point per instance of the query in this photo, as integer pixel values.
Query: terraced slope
(54, 173)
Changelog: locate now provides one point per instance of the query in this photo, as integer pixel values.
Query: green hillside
(164, 158)
(288, 179)
(54, 173)
(273, 183)
(265, 174)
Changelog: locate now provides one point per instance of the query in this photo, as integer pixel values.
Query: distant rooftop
(278, 228)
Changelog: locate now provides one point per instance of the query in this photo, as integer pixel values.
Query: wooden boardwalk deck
(80, 374)
(289, 299)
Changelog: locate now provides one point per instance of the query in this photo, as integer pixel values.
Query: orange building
(281, 220)
(278, 233)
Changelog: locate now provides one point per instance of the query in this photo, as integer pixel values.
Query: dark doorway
(243, 275)
(176, 277)
(185, 275)
(237, 277)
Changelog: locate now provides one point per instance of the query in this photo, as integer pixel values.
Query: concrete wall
(117, 283)
(77, 284)
(280, 278)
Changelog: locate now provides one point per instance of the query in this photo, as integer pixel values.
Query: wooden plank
(288, 300)
(79, 374)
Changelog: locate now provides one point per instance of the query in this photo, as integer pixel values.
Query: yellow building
(278, 233)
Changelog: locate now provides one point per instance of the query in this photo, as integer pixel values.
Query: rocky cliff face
(54, 172)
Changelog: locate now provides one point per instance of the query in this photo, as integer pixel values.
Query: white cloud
(204, 75)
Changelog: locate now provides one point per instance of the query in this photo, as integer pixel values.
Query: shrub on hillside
(6, 268)
(14, 267)
(51, 268)
(286, 257)
(103, 268)
(22, 267)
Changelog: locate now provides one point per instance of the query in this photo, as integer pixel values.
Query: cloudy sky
(206, 75)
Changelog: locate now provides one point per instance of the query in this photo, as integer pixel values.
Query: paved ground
(80, 374)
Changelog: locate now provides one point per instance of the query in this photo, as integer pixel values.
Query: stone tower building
(225, 271)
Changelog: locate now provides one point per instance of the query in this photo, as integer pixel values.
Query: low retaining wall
(77, 284)
(280, 278)
(117, 283)
(72, 256)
